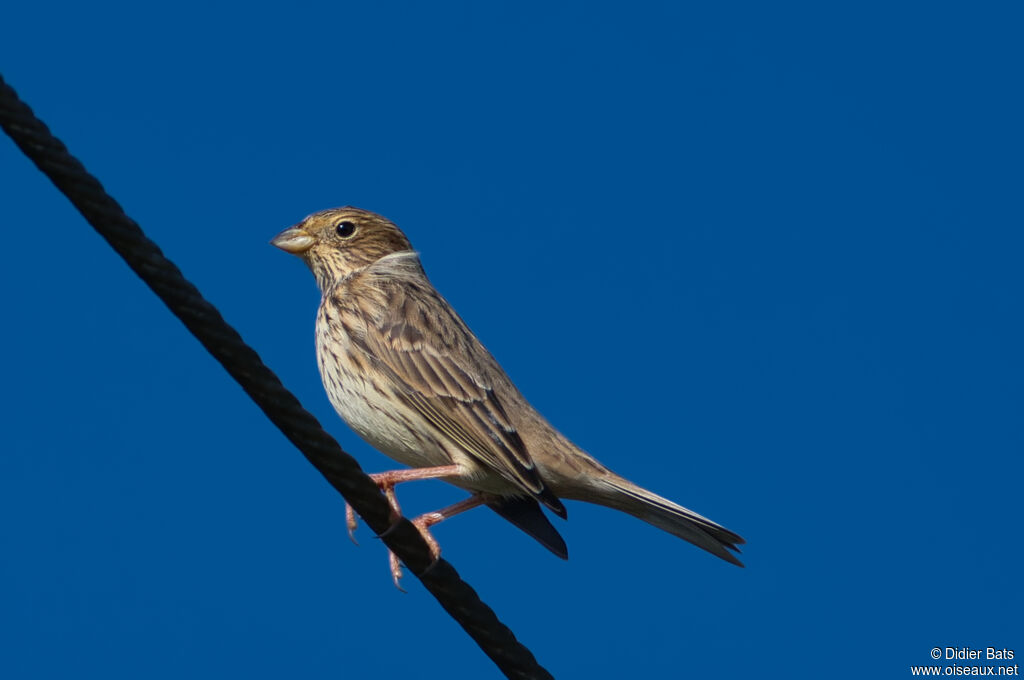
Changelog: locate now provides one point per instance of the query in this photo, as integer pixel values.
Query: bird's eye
(345, 229)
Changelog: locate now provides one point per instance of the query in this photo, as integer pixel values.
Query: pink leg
(386, 481)
(427, 520)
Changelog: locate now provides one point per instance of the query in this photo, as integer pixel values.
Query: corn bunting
(406, 373)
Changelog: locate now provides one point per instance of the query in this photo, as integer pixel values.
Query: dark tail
(526, 514)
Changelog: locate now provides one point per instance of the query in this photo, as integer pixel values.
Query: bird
(406, 373)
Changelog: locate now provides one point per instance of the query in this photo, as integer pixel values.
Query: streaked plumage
(406, 373)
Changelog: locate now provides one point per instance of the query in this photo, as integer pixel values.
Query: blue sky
(762, 259)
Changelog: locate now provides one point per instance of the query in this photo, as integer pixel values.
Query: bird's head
(336, 243)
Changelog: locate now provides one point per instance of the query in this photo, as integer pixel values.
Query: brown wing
(440, 369)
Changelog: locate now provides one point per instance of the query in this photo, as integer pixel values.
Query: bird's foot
(386, 482)
(423, 524)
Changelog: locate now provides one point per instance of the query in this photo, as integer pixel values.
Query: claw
(386, 532)
(396, 570)
(350, 523)
(430, 567)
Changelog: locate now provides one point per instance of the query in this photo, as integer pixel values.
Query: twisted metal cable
(243, 363)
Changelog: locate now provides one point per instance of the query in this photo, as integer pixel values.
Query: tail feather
(622, 494)
(526, 514)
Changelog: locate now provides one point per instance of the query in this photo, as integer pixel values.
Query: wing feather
(440, 370)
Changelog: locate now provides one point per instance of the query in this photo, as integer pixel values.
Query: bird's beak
(294, 240)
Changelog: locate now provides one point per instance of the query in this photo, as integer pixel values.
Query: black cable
(243, 363)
